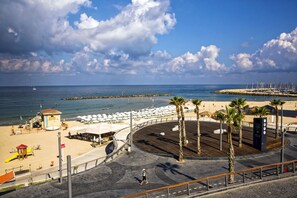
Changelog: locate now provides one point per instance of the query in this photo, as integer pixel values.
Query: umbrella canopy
(22, 146)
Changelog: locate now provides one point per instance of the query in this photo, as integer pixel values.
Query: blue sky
(84, 42)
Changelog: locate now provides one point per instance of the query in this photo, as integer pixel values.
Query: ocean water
(23, 102)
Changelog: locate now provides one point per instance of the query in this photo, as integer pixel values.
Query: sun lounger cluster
(121, 116)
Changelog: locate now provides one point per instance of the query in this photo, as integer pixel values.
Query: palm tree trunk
(231, 156)
(198, 134)
(181, 155)
(240, 136)
(183, 127)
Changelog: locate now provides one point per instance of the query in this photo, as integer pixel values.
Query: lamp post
(60, 157)
(221, 136)
(283, 140)
(131, 135)
(69, 176)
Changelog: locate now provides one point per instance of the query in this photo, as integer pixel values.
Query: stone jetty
(258, 92)
(109, 97)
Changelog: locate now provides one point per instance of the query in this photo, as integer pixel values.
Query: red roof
(50, 112)
(22, 146)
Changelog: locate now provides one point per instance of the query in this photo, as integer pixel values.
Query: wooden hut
(51, 119)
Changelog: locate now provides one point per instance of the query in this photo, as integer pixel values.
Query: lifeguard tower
(51, 119)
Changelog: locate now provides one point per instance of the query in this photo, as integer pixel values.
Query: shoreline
(255, 92)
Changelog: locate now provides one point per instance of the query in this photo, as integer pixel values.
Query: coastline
(48, 139)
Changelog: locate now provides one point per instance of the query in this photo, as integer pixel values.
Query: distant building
(51, 119)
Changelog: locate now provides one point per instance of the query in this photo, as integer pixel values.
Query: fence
(220, 181)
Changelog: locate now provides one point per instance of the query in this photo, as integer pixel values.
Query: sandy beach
(48, 140)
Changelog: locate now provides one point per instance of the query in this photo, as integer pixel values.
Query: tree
(221, 117)
(197, 103)
(239, 105)
(175, 101)
(261, 111)
(276, 103)
(183, 124)
(232, 122)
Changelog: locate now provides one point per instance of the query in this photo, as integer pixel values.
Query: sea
(19, 104)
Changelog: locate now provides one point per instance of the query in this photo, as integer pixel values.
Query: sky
(123, 42)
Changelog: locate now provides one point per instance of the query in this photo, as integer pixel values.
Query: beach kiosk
(51, 119)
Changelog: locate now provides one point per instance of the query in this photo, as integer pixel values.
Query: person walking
(144, 180)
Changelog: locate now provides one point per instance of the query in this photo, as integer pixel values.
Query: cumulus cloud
(133, 30)
(203, 60)
(86, 22)
(13, 65)
(278, 54)
(243, 61)
(118, 44)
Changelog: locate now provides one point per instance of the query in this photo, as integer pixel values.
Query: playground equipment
(22, 152)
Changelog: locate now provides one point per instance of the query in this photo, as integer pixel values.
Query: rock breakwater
(109, 97)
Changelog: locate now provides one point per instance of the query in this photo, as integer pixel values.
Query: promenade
(121, 176)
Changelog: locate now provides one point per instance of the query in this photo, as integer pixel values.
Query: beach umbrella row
(121, 116)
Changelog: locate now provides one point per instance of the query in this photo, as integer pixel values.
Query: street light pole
(69, 176)
(60, 157)
(283, 140)
(131, 135)
(221, 143)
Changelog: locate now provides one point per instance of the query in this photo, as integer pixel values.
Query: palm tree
(221, 117)
(232, 122)
(276, 103)
(175, 101)
(183, 124)
(261, 111)
(197, 103)
(239, 104)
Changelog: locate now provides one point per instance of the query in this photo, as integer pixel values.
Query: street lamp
(283, 140)
(60, 157)
(131, 135)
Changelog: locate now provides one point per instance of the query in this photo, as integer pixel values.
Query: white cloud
(203, 60)
(119, 44)
(86, 22)
(278, 54)
(133, 30)
(243, 61)
(31, 65)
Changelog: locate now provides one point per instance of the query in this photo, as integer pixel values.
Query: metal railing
(221, 181)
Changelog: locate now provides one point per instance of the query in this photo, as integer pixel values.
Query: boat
(34, 89)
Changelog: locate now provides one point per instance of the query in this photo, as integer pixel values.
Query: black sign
(260, 129)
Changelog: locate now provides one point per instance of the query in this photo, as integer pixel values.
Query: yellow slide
(15, 155)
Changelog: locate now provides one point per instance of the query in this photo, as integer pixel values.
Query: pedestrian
(143, 174)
